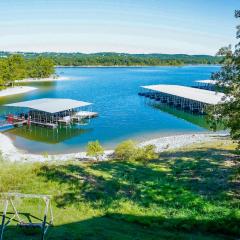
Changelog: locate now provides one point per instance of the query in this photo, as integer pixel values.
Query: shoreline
(134, 66)
(12, 154)
(16, 90)
(50, 79)
(115, 66)
(25, 89)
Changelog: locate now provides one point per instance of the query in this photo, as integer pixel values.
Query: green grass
(191, 193)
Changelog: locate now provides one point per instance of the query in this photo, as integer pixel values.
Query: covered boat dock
(183, 97)
(49, 112)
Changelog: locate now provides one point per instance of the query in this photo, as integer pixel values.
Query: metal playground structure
(7, 218)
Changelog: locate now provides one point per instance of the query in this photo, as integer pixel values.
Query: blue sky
(135, 26)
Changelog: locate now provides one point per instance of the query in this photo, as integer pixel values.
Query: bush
(146, 153)
(126, 150)
(94, 149)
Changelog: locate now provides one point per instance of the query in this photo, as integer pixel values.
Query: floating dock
(183, 97)
(84, 115)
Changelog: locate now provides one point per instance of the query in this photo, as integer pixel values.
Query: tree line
(121, 59)
(113, 61)
(124, 59)
(17, 67)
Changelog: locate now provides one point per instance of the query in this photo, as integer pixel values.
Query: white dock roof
(50, 105)
(195, 94)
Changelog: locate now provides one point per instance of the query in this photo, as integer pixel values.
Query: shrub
(45, 155)
(146, 153)
(126, 150)
(94, 149)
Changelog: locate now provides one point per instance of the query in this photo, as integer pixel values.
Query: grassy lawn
(191, 193)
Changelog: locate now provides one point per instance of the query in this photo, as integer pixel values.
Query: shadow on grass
(201, 181)
(208, 172)
(127, 227)
(25, 216)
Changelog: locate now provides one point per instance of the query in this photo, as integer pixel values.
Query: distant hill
(120, 59)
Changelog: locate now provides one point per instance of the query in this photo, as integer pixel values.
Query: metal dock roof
(195, 94)
(50, 105)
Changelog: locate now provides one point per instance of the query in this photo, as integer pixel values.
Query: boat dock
(187, 98)
(49, 112)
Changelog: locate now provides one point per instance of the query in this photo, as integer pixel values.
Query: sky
(133, 26)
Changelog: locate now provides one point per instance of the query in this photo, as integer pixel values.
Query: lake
(122, 113)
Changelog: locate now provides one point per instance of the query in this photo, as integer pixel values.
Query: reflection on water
(46, 84)
(196, 119)
(43, 88)
(46, 135)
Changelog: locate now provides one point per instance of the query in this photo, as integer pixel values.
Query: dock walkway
(85, 114)
(42, 124)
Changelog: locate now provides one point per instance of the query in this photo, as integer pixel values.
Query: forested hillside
(121, 59)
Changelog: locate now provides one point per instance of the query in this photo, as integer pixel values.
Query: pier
(186, 98)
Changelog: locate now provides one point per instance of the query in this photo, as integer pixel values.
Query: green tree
(228, 79)
(94, 149)
(3, 73)
(15, 69)
(40, 67)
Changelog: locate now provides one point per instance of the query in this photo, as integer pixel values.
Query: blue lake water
(122, 113)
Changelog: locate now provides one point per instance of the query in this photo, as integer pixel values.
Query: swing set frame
(8, 199)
